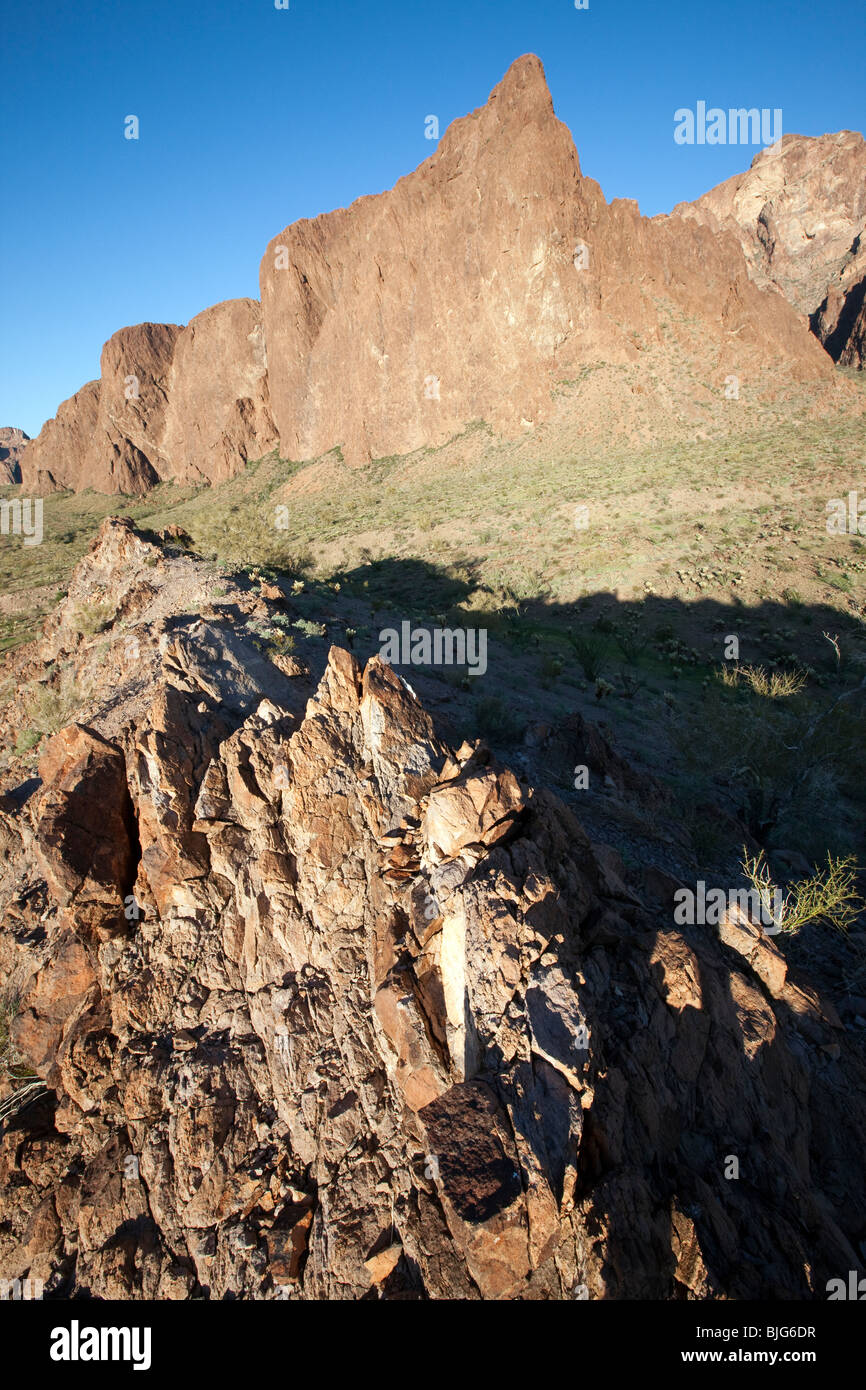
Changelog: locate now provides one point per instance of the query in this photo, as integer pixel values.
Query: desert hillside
(432, 761)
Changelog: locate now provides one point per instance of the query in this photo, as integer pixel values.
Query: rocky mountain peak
(469, 291)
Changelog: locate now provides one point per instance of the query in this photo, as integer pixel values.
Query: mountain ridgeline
(469, 291)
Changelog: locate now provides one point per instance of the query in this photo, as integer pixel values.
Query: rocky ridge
(799, 212)
(325, 1007)
(469, 291)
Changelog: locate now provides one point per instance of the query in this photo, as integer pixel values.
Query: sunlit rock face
(481, 279)
(799, 213)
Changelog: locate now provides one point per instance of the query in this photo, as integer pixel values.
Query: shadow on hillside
(659, 1165)
(700, 690)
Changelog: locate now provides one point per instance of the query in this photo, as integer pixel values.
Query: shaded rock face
(840, 321)
(799, 213)
(12, 442)
(478, 281)
(183, 403)
(327, 1008)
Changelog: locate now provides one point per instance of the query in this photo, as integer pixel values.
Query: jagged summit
(470, 290)
(522, 97)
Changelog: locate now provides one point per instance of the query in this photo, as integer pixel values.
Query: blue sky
(251, 117)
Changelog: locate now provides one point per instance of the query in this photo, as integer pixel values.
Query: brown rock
(382, 1264)
(12, 442)
(799, 213)
(474, 299)
(323, 1042)
(218, 416)
(748, 939)
(184, 403)
(83, 830)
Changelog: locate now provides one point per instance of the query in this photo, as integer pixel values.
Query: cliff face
(183, 403)
(12, 443)
(218, 413)
(327, 1008)
(479, 280)
(799, 213)
(468, 291)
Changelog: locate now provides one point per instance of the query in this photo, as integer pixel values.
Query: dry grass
(771, 685)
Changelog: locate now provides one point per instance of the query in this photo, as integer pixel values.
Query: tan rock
(799, 213)
(383, 1263)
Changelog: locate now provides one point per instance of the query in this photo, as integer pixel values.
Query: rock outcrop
(491, 272)
(325, 1008)
(471, 290)
(799, 212)
(12, 442)
(218, 413)
(188, 404)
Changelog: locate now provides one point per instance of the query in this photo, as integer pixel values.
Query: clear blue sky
(252, 117)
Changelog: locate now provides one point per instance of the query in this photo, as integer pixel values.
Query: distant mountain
(799, 212)
(12, 442)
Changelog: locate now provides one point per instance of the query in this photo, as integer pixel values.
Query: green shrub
(829, 895)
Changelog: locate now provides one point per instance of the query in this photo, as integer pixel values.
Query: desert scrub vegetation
(19, 1084)
(496, 722)
(592, 651)
(829, 895)
(48, 706)
(92, 618)
(791, 770)
(771, 685)
(272, 635)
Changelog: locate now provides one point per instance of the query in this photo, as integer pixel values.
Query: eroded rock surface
(190, 404)
(799, 212)
(326, 1008)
